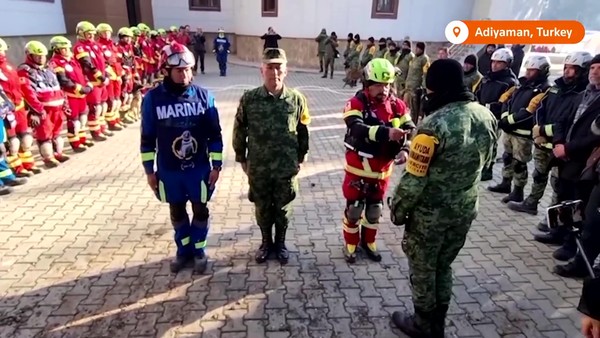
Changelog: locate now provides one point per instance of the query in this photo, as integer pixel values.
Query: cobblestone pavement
(84, 252)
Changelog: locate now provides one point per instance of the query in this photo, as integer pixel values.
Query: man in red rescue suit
(378, 127)
(114, 71)
(46, 102)
(126, 58)
(19, 138)
(75, 86)
(148, 54)
(89, 55)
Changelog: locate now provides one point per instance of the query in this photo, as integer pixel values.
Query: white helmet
(504, 55)
(581, 59)
(540, 62)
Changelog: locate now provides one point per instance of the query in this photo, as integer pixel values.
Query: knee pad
(520, 167)
(201, 212)
(354, 211)
(13, 145)
(59, 144)
(83, 119)
(373, 212)
(507, 158)
(76, 126)
(539, 177)
(104, 107)
(178, 213)
(26, 142)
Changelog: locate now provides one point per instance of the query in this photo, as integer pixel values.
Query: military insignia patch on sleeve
(422, 148)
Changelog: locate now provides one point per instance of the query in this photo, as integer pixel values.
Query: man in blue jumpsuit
(7, 118)
(181, 133)
(221, 47)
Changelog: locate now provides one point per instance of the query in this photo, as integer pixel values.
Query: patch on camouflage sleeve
(422, 148)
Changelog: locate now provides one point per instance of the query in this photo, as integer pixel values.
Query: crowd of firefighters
(95, 84)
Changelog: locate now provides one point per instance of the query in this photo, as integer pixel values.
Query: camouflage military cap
(274, 55)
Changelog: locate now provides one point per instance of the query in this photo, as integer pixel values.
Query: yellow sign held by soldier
(422, 148)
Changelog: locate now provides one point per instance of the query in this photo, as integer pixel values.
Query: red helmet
(176, 55)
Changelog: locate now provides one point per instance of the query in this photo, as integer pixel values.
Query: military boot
(516, 195)
(528, 206)
(4, 190)
(573, 269)
(503, 187)
(553, 237)
(439, 321)
(178, 263)
(369, 249)
(16, 182)
(567, 251)
(200, 262)
(543, 225)
(263, 252)
(419, 325)
(280, 249)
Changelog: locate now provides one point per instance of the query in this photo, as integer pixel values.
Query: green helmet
(135, 31)
(380, 70)
(125, 31)
(59, 42)
(36, 48)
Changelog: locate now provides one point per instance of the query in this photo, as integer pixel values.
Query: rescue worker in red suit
(19, 137)
(148, 54)
(126, 58)
(89, 55)
(76, 87)
(46, 102)
(114, 71)
(377, 135)
(157, 46)
(172, 34)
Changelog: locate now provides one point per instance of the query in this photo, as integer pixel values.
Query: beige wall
(301, 52)
(112, 12)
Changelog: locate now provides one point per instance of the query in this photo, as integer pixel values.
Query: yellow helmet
(3, 45)
(143, 28)
(104, 27)
(135, 31)
(125, 31)
(85, 27)
(59, 42)
(162, 31)
(173, 28)
(153, 33)
(36, 48)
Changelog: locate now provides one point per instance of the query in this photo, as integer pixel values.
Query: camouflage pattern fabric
(437, 195)
(270, 135)
(541, 161)
(517, 153)
(417, 69)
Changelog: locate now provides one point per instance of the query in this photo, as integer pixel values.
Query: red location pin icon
(456, 31)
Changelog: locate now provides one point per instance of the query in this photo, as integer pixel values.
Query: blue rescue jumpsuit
(221, 47)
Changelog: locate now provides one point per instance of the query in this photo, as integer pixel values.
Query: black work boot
(16, 182)
(419, 325)
(503, 187)
(487, 174)
(528, 206)
(200, 262)
(574, 269)
(553, 237)
(179, 263)
(567, 251)
(280, 249)
(516, 195)
(372, 254)
(350, 256)
(263, 252)
(4, 190)
(543, 225)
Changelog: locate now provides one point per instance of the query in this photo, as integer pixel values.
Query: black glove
(503, 123)
(86, 90)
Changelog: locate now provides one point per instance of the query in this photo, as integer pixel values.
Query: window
(384, 9)
(269, 8)
(205, 5)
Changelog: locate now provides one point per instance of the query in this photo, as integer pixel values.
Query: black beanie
(421, 45)
(445, 75)
(407, 42)
(596, 59)
(471, 59)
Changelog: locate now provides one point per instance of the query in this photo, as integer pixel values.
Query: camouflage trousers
(432, 240)
(517, 153)
(272, 198)
(409, 97)
(541, 171)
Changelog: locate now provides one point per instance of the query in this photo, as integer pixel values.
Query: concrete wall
(31, 17)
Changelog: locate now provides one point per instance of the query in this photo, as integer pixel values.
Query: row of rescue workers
(548, 123)
(96, 85)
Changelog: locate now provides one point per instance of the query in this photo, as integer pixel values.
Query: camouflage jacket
(321, 39)
(270, 133)
(472, 79)
(417, 68)
(445, 161)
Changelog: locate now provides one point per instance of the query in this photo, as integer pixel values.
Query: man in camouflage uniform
(516, 122)
(369, 54)
(270, 140)
(331, 52)
(472, 75)
(559, 100)
(417, 69)
(404, 59)
(321, 39)
(437, 196)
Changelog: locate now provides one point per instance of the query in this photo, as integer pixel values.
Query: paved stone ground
(84, 252)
